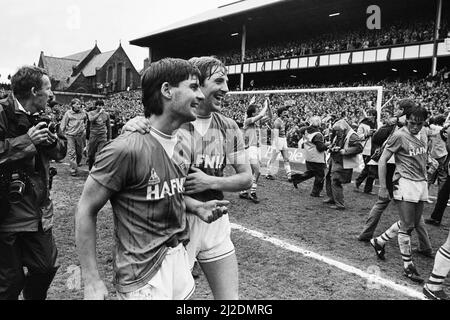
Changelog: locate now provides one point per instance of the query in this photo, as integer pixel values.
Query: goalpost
(295, 154)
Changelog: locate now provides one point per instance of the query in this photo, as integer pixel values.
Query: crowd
(128, 104)
(431, 93)
(395, 34)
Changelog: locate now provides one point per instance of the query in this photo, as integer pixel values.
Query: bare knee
(222, 276)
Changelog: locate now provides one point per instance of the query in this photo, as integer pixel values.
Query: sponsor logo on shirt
(416, 151)
(157, 190)
(210, 161)
(154, 179)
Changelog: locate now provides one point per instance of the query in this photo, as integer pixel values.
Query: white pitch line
(345, 267)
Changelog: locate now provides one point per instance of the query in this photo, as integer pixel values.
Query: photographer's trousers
(36, 251)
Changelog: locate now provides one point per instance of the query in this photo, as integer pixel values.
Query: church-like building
(91, 71)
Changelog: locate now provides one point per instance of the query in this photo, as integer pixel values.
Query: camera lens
(16, 190)
(52, 127)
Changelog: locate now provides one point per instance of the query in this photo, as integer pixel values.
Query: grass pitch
(266, 271)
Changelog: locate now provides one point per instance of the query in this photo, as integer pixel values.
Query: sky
(60, 28)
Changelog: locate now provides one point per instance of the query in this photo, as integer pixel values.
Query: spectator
(99, 131)
(73, 126)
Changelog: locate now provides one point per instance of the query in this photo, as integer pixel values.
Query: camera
(16, 189)
(52, 127)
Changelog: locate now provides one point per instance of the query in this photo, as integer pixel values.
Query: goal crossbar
(378, 89)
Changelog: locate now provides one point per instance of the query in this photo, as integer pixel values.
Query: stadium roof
(220, 12)
(270, 21)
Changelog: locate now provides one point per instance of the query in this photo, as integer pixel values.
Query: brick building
(91, 71)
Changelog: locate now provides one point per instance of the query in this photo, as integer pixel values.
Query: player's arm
(393, 144)
(109, 175)
(260, 115)
(92, 199)
(94, 115)
(269, 109)
(139, 124)
(382, 171)
(198, 181)
(207, 211)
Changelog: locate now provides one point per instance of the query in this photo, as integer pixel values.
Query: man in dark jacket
(314, 152)
(343, 159)
(26, 146)
(365, 131)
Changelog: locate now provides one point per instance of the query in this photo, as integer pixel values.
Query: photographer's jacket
(341, 165)
(17, 152)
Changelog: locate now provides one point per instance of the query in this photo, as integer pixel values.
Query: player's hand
(383, 194)
(341, 151)
(212, 210)
(335, 149)
(39, 133)
(197, 181)
(139, 124)
(95, 290)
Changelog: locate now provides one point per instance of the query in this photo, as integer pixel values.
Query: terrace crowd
(400, 33)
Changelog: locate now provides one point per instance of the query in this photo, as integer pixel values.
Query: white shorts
(254, 154)
(173, 281)
(208, 242)
(281, 144)
(410, 190)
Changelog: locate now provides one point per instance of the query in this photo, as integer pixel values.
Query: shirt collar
(21, 108)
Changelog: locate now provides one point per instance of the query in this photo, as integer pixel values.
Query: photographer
(343, 159)
(314, 148)
(26, 214)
